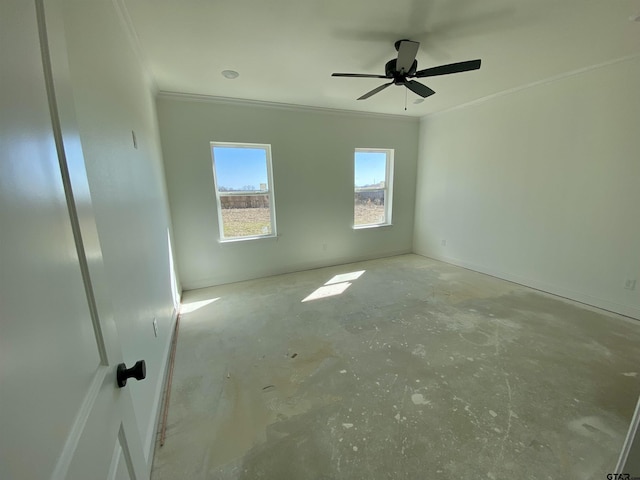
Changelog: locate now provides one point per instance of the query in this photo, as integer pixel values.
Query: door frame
(629, 461)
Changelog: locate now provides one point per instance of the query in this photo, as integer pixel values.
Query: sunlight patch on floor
(346, 277)
(328, 291)
(337, 285)
(193, 306)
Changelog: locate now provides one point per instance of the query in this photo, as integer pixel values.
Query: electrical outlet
(155, 327)
(444, 243)
(630, 284)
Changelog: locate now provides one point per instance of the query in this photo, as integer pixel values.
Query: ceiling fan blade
(357, 75)
(447, 69)
(420, 89)
(407, 52)
(375, 90)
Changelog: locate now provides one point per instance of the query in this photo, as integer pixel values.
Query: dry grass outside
(367, 214)
(245, 222)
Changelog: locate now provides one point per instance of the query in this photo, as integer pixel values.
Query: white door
(61, 414)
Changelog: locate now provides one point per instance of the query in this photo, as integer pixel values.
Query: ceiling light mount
(230, 74)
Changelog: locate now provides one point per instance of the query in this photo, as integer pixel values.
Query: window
(373, 185)
(244, 190)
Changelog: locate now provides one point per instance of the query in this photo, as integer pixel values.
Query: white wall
(128, 191)
(312, 154)
(540, 186)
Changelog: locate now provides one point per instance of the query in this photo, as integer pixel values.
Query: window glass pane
(370, 169)
(245, 215)
(244, 190)
(241, 169)
(369, 207)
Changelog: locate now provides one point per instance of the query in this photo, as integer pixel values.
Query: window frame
(269, 192)
(388, 188)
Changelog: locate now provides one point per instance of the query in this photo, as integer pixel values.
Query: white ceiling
(286, 50)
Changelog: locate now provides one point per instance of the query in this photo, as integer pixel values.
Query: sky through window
(371, 168)
(239, 167)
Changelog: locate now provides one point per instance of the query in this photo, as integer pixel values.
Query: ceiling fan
(400, 70)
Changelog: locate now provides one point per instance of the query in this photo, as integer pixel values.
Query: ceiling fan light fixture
(230, 74)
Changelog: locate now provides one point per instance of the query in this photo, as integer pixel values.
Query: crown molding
(526, 86)
(192, 97)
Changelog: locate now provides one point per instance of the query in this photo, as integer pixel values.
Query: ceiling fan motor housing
(391, 71)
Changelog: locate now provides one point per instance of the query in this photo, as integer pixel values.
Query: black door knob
(138, 371)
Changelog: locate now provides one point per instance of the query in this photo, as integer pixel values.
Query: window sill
(245, 239)
(377, 225)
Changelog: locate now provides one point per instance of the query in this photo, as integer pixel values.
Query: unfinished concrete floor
(418, 370)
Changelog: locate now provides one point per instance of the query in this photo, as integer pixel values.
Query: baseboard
(613, 307)
(149, 441)
(303, 267)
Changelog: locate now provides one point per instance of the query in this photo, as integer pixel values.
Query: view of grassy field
(366, 214)
(241, 222)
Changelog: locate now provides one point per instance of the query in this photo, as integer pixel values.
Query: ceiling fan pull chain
(405, 99)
